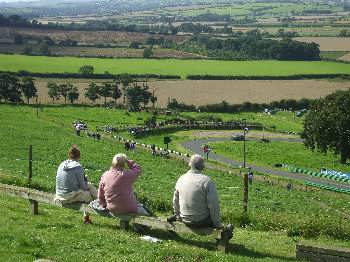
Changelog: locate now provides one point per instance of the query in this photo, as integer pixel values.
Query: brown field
(345, 57)
(99, 52)
(328, 43)
(85, 37)
(200, 92)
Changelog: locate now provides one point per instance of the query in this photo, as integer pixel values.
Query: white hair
(196, 162)
(119, 160)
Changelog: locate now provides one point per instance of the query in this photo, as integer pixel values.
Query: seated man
(71, 183)
(195, 198)
(115, 191)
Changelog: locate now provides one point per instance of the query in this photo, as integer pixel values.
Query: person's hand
(130, 163)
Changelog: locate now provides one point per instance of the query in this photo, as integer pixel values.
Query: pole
(245, 195)
(245, 177)
(244, 143)
(263, 132)
(30, 165)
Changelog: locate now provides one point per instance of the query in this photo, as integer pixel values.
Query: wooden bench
(222, 236)
(324, 254)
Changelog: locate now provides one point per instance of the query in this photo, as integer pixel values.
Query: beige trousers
(79, 196)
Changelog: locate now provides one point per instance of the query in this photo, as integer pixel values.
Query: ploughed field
(215, 91)
(84, 37)
(44, 64)
(328, 43)
(84, 51)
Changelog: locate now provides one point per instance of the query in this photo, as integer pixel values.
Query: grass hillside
(312, 214)
(44, 64)
(59, 234)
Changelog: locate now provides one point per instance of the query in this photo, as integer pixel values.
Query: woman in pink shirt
(115, 191)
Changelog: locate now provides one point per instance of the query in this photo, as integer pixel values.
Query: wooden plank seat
(222, 236)
(316, 253)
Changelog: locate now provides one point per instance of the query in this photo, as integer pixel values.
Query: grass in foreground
(271, 207)
(60, 235)
(44, 64)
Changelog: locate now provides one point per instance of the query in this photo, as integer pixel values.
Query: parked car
(238, 137)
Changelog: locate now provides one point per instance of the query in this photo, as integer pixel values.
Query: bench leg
(124, 224)
(223, 239)
(222, 245)
(34, 207)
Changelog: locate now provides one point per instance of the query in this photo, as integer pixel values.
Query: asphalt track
(197, 145)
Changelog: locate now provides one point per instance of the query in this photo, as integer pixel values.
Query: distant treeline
(90, 76)
(225, 107)
(251, 45)
(107, 25)
(107, 75)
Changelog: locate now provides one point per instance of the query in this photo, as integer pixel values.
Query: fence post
(34, 207)
(30, 165)
(245, 195)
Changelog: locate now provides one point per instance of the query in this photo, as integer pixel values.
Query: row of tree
(225, 107)
(12, 89)
(252, 45)
(134, 94)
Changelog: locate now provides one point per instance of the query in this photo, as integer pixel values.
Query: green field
(261, 10)
(269, 154)
(281, 121)
(43, 64)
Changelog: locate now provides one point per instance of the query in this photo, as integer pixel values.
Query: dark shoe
(87, 221)
(171, 219)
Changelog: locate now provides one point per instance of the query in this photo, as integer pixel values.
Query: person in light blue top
(71, 183)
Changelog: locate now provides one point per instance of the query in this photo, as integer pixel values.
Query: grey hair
(196, 162)
(119, 160)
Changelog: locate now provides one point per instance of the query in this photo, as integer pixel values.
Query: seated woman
(71, 183)
(115, 191)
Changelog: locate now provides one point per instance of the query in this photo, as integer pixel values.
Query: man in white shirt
(195, 199)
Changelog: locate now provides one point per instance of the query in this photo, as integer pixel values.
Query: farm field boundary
(44, 64)
(92, 76)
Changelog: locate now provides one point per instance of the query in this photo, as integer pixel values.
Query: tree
(18, 39)
(146, 95)
(147, 52)
(137, 95)
(86, 70)
(27, 50)
(327, 125)
(116, 92)
(153, 100)
(63, 90)
(10, 88)
(73, 94)
(134, 45)
(92, 92)
(53, 91)
(28, 88)
(44, 49)
(126, 80)
(105, 91)
(344, 33)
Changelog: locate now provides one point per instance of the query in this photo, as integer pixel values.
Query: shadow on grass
(210, 244)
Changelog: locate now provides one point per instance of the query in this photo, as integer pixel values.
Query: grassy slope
(281, 121)
(59, 234)
(271, 208)
(269, 154)
(44, 64)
